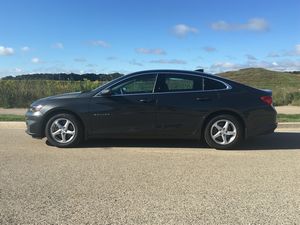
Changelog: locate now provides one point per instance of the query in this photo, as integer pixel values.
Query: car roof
(171, 71)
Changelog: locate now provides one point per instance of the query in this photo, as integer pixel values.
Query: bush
(21, 93)
(286, 96)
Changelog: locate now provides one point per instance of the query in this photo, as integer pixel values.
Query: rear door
(182, 103)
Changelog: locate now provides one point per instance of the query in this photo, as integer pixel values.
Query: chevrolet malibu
(156, 104)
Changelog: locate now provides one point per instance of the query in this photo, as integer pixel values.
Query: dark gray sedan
(156, 104)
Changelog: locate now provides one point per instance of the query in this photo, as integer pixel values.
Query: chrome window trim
(228, 87)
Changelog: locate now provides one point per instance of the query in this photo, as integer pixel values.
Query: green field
(288, 118)
(285, 86)
(20, 93)
(6, 117)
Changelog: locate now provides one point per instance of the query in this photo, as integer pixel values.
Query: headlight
(36, 108)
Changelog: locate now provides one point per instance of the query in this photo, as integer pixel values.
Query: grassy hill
(285, 86)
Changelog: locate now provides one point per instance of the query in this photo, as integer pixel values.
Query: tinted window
(136, 85)
(210, 84)
(177, 82)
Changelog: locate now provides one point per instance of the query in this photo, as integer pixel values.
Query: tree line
(65, 76)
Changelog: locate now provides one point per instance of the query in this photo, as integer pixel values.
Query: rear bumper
(262, 121)
(267, 129)
(34, 124)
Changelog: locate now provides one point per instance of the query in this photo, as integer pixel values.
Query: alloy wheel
(62, 130)
(223, 132)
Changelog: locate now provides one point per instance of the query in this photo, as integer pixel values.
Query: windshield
(103, 86)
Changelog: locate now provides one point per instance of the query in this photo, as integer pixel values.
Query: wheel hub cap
(62, 130)
(223, 132)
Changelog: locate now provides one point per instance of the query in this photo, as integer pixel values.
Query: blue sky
(125, 36)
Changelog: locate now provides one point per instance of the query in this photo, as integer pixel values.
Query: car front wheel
(63, 130)
(223, 132)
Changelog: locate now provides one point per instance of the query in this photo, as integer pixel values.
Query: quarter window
(210, 84)
(137, 85)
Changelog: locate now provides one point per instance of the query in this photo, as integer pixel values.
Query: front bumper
(34, 124)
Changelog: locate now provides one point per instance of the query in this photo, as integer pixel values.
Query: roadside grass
(280, 117)
(288, 118)
(9, 117)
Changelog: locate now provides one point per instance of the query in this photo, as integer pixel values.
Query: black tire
(74, 126)
(232, 141)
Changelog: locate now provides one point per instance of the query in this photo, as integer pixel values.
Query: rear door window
(179, 83)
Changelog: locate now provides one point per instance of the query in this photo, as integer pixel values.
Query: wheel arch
(226, 112)
(60, 111)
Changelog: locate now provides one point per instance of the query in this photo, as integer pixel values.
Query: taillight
(267, 99)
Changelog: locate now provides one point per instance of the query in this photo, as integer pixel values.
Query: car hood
(66, 95)
(60, 96)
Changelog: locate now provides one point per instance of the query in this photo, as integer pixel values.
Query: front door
(129, 110)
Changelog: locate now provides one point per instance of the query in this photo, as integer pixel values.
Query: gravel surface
(149, 182)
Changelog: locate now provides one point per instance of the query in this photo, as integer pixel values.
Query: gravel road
(149, 182)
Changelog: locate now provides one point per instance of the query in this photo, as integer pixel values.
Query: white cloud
(18, 70)
(5, 51)
(209, 49)
(297, 49)
(273, 55)
(292, 52)
(251, 57)
(90, 65)
(148, 51)
(111, 58)
(58, 45)
(80, 60)
(254, 24)
(35, 60)
(135, 63)
(182, 30)
(100, 43)
(170, 61)
(283, 65)
(25, 49)
(224, 66)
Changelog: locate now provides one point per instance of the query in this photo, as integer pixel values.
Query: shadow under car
(275, 141)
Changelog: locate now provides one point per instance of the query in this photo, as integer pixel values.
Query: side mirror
(106, 92)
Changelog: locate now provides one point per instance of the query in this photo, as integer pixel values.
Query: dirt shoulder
(13, 111)
(288, 109)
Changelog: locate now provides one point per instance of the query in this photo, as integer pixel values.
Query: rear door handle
(203, 99)
(147, 100)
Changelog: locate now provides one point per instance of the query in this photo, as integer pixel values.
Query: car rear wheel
(63, 130)
(223, 132)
